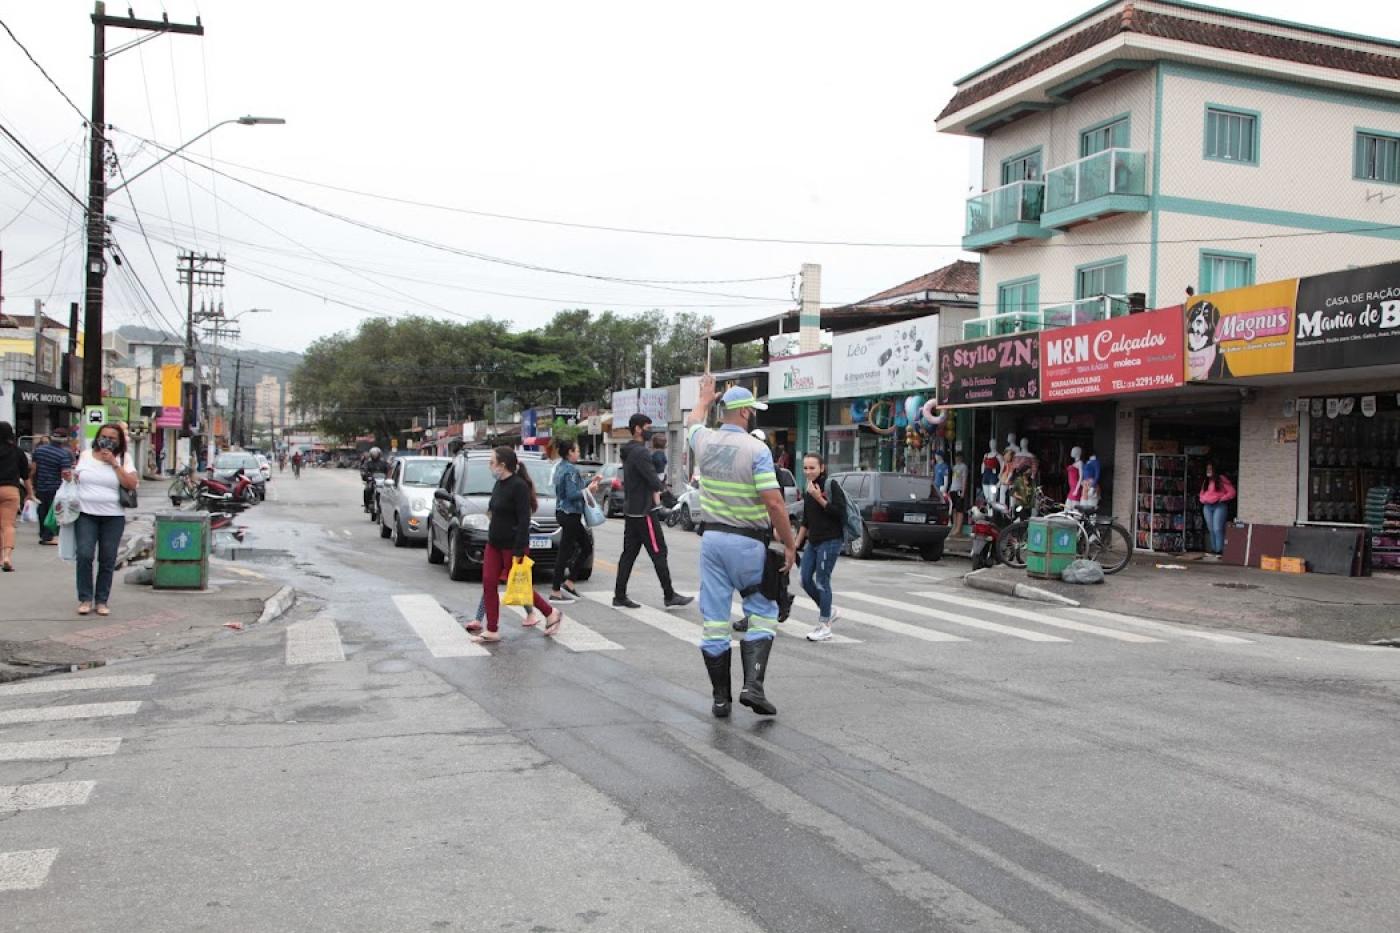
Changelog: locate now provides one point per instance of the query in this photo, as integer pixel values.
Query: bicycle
(1011, 541)
(1100, 538)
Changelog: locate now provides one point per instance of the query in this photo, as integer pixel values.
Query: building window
(1232, 135)
(1020, 295)
(1221, 271)
(1377, 157)
(1023, 167)
(1110, 135)
(1103, 278)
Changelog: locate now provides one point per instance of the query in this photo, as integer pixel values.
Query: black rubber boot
(718, 666)
(754, 654)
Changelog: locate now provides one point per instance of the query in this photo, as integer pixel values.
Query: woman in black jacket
(823, 530)
(513, 501)
(15, 487)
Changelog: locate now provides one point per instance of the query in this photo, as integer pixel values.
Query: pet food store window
(1353, 466)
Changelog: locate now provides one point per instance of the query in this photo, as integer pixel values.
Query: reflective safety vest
(734, 469)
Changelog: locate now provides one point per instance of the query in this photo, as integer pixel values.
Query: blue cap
(741, 398)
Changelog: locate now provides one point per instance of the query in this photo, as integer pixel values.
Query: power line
(76, 109)
(35, 159)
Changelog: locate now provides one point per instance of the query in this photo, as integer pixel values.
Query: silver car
(406, 498)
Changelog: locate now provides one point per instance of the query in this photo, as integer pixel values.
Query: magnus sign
(1126, 354)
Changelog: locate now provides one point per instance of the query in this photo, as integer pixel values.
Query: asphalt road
(955, 763)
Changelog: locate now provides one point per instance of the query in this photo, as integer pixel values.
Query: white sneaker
(820, 633)
(831, 619)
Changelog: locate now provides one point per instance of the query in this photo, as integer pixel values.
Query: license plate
(543, 542)
(915, 518)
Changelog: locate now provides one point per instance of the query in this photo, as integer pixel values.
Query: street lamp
(243, 121)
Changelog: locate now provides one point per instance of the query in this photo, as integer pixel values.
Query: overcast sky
(799, 120)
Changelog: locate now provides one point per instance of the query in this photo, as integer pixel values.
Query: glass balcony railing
(1113, 171)
(999, 325)
(1086, 309)
(1016, 203)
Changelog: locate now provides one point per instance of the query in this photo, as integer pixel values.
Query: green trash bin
(1052, 544)
(182, 551)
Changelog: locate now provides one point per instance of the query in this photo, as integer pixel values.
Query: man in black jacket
(640, 486)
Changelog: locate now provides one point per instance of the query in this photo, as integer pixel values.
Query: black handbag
(127, 497)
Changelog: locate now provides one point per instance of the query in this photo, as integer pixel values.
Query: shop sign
(171, 416)
(994, 371)
(33, 393)
(118, 408)
(650, 402)
(1241, 332)
(1349, 318)
(885, 360)
(800, 377)
(171, 380)
(1124, 354)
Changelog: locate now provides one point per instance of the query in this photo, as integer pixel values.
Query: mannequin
(1024, 458)
(1089, 476)
(991, 471)
(1008, 454)
(1074, 477)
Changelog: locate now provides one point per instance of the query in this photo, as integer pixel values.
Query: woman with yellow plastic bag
(513, 501)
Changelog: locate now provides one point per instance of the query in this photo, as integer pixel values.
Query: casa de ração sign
(804, 376)
(1135, 353)
(1347, 319)
(994, 371)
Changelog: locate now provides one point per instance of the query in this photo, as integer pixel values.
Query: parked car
(458, 523)
(228, 463)
(406, 498)
(896, 510)
(616, 502)
(265, 466)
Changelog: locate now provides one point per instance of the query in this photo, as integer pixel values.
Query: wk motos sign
(989, 372)
(1126, 354)
(1349, 318)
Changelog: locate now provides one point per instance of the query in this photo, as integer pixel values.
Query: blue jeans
(818, 560)
(1216, 514)
(729, 563)
(100, 536)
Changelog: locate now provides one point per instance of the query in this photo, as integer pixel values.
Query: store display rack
(1168, 515)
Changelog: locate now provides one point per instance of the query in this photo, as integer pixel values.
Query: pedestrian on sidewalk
(957, 493)
(513, 501)
(1217, 492)
(46, 470)
(658, 456)
(568, 510)
(823, 530)
(102, 472)
(15, 488)
(743, 509)
(640, 486)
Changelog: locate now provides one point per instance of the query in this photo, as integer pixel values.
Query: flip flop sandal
(473, 626)
(531, 620)
(486, 638)
(568, 588)
(552, 627)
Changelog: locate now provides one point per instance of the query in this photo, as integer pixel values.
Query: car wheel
(456, 557)
(384, 531)
(435, 556)
(397, 535)
(863, 548)
(932, 552)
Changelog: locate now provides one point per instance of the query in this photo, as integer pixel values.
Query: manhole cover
(1237, 586)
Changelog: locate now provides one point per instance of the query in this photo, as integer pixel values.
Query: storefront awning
(36, 393)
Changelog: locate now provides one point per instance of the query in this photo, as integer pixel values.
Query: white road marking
(347, 532)
(1042, 618)
(242, 572)
(576, 636)
(71, 711)
(58, 749)
(314, 641)
(39, 796)
(329, 533)
(956, 619)
(1162, 627)
(441, 634)
(25, 871)
(63, 685)
(687, 632)
(888, 625)
(790, 629)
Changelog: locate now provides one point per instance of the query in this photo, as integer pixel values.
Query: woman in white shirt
(100, 474)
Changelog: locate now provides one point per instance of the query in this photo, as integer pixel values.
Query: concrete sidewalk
(1213, 595)
(40, 630)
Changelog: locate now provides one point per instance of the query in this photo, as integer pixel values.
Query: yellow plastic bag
(520, 587)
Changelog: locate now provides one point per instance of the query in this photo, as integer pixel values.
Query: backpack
(852, 527)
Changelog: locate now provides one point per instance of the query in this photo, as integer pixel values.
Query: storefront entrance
(1174, 445)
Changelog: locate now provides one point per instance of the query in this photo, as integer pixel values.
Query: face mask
(648, 434)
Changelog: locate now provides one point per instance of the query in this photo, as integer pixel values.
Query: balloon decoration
(859, 410)
(930, 419)
(889, 420)
(912, 406)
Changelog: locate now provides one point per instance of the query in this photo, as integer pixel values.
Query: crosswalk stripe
(63, 685)
(576, 636)
(956, 619)
(70, 711)
(314, 641)
(25, 871)
(1162, 627)
(1042, 618)
(888, 625)
(789, 629)
(58, 749)
(687, 632)
(38, 796)
(440, 632)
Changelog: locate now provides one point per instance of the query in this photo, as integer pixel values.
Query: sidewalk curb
(278, 605)
(988, 584)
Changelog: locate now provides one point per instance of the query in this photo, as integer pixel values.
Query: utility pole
(96, 267)
(72, 347)
(208, 272)
(237, 375)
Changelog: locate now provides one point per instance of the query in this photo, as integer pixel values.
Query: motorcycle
(372, 483)
(989, 527)
(214, 495)
(687, 508)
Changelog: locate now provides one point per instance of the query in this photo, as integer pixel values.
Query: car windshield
(235, 461)
(906, 487)
(480, 482)
(423, 473)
